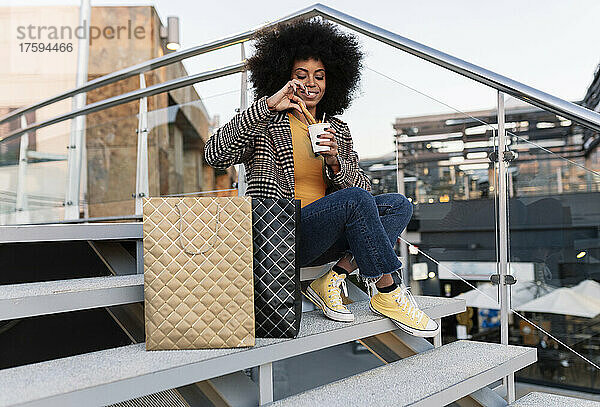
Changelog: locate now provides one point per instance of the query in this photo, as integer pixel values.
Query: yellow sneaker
(325, 292)
(400, 306)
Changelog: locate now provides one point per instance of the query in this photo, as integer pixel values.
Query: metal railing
(502, 84)
(152, 64)
(129, 97)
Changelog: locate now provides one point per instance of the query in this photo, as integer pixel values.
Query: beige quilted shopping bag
(198, 280)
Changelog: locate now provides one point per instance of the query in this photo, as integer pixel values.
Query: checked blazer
(262, 141)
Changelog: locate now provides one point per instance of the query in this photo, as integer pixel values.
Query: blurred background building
(443, 162)
(179, 123)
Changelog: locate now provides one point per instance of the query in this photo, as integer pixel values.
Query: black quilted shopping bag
(277, 296)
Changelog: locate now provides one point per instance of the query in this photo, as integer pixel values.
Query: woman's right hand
(286, 97)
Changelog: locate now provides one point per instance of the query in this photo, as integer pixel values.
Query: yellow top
(308, 169)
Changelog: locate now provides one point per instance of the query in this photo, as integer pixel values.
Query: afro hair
(277, 48)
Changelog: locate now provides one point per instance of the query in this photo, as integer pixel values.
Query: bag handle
(180, 232)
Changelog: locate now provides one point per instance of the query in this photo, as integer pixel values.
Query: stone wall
(178, 123)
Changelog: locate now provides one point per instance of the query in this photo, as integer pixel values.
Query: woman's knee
(406, 204)
(357, 200)
(358, 195)
(396, 202)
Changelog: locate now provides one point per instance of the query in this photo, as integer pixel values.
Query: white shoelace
(405, 299)
(337, 282)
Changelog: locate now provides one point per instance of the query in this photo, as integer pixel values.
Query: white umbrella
(564, 301)
(525, 292)
(520, 294)
(590, 288)
(479, 298)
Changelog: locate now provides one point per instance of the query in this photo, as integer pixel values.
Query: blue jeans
(352, 220)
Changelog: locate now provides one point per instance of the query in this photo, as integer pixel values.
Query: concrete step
(95, 232)
(538, 399)
(50, 297)
(434, 378)
(66, 231)
(123, 373)
(167, 398)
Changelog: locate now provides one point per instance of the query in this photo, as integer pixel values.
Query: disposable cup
(314, 130)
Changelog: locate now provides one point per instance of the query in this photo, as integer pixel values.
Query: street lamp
(171, 33)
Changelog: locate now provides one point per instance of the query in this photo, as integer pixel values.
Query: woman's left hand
(328, 139)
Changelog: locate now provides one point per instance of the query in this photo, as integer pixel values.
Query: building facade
(179, 124)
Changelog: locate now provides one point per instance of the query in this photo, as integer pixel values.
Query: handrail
(131, 96)
(514, 88)
(155, 63)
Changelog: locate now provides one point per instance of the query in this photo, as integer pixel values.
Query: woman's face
(311, 72)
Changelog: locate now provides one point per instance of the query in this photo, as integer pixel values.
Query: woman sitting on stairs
(311, 65)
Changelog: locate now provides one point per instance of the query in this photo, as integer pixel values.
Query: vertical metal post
(437, 340)
(242, 184)
(141, 173)
(503, 240)
(139, 256)
(21, 206)
(559, 184)
(77, 136)
(400, 187)
(244, 83)
(265, 383)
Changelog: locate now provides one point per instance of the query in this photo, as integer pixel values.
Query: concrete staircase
(424, 374)
(131, 371)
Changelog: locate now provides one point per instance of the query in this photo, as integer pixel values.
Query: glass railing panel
(176, 137)
(107, 172)
(33, 177)
(436, 137)
(177, 133)
(9, 164)
(111, 138)
(222, 97)
(554, 218)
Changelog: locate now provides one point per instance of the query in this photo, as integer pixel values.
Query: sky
(551, 45)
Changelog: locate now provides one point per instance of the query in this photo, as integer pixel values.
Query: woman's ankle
(346, 263)
(386, 280)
